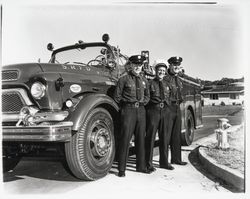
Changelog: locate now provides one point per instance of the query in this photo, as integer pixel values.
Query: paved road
(46, 176)
(210, 122)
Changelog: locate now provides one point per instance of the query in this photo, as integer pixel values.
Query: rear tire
(188, 136)
(90, 152)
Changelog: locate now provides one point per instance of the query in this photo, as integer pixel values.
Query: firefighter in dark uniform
(176, 97)
(157, 118)
(132, 95)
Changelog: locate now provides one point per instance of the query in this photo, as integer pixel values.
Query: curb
(228, 175)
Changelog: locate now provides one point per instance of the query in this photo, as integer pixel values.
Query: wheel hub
(102, 142)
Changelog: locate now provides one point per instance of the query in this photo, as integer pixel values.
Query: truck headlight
(38, 90)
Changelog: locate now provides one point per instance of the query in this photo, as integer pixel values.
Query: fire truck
(67, 105)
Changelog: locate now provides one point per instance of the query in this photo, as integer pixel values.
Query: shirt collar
(134, 74)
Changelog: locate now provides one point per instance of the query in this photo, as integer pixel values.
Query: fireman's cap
(137, 59)
(175, 61)
(158, 65)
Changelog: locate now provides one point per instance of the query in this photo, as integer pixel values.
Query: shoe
(179, 163)
(144, 171)
(121, 173)
(168, 167)
(152, 169)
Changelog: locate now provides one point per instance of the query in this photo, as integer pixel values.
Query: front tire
(10, 156)
(90, 152)
(10, 162)
(188, 136)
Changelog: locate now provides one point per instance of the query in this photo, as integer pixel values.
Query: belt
(159, 105)
(134, 104)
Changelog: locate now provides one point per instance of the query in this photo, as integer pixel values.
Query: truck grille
(9, 75)
(13, 100)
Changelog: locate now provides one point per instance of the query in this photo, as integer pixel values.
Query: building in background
(231, 94)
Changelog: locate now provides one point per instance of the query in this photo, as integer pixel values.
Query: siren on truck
(105, 37)
(50, 47)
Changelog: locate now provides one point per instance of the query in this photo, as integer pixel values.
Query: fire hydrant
(221, 133)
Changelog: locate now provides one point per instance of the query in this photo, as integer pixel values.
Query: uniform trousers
(175, 129)
(132, 122)
(157, 119)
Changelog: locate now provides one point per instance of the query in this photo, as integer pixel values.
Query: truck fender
(88, 103)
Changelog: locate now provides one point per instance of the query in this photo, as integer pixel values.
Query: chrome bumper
(38, 117)
(46, 133)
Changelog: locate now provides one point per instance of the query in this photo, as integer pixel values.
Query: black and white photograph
(124, 99)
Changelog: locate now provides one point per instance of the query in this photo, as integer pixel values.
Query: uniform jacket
(176, 87)
(125, 91)
(154, 89)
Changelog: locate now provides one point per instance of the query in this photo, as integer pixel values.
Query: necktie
(138, 90)
(178, 93)
(161, 90)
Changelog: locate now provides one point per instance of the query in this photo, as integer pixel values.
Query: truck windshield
(93, 55)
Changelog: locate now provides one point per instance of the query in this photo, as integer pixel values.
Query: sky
(209, 37)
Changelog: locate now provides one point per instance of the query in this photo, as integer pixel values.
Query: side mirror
(111, 64)
(50, 47)
(103, 51)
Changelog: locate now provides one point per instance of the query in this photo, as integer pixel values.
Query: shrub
(222, 103)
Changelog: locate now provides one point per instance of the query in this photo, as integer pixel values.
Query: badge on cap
(137, 59)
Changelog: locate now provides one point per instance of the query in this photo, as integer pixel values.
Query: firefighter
(157, 118)
(132, 95)
(176, 98)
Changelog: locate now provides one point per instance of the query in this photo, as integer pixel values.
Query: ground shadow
(48, 169)
(130, 166)
(53, 169)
